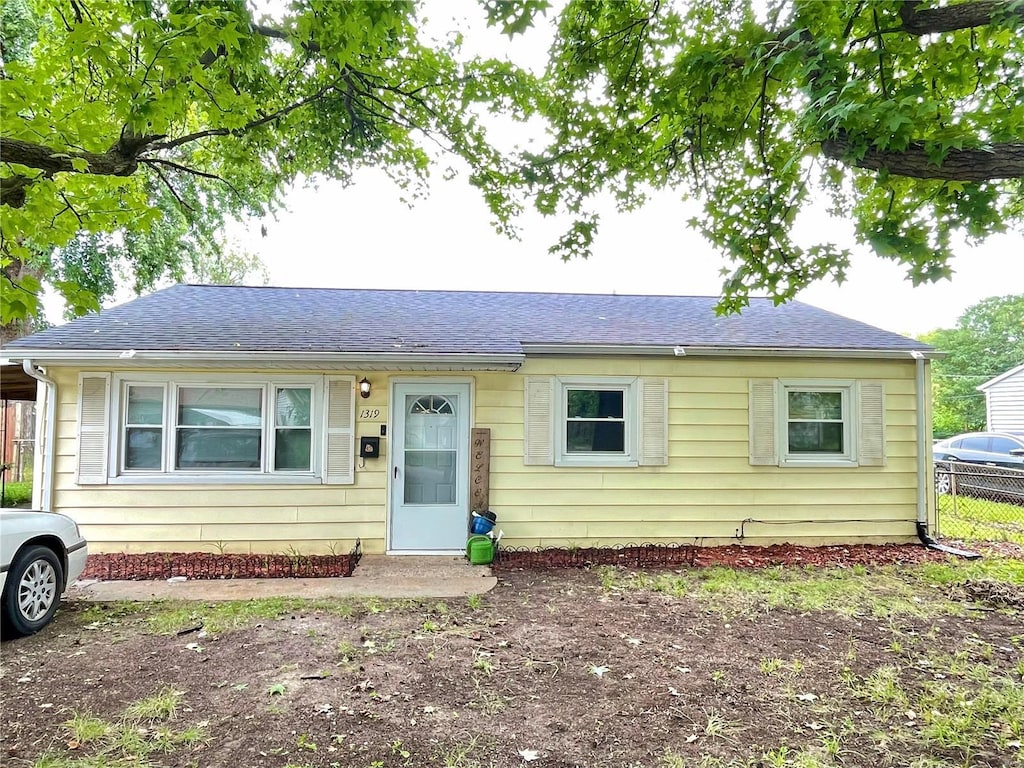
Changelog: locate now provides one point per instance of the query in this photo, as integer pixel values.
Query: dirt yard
(857, 666)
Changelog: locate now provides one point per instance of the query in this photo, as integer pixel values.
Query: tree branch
(187, 139)
(999, 161)
(949, 18)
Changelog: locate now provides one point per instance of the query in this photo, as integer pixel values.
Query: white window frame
(845, 458)
(171, 383)
(630, 411)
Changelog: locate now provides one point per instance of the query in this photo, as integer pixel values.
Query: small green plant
(717, 726)
(276, 689)
(778, 757)
(483, 663)
(347, 651)
(475, 602)
(431, 626)
(85, 728)
(305, 742)
(459, 755)
(160, 706)
(832, 746)
(396, 749)
(770, 666)
(220, 546)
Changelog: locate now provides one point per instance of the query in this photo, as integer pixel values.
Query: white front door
(430, 467)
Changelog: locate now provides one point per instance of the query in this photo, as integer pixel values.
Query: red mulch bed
(734, 556)
(204, 565)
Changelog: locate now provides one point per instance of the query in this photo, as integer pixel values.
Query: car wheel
(943, 482)
(32, 591)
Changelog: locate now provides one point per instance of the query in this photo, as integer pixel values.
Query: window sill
(837, 462)
(597, 463)
(215, 479)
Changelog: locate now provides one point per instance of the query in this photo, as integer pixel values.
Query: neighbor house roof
(1000, 378)
(205, 319)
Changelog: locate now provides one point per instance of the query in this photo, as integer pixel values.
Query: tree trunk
(14, 272)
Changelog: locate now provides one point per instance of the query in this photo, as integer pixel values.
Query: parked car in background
(982, 464)
(41, 553)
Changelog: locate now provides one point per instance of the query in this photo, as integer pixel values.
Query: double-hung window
(596, 421)
(817, 422)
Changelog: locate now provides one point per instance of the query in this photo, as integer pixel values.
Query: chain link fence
(979, 502)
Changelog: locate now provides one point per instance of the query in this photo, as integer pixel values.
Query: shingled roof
(207, 318)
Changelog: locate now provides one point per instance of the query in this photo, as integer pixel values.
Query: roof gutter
(132, 357)
(683, 350)
(46, 434)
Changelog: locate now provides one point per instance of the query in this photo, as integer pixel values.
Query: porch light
(364, 387)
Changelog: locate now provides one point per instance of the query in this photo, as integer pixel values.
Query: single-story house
(262, 420)
(1004, 401)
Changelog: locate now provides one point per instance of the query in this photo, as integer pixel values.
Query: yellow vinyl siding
(704, 494)
(239, 518)
(708, 488)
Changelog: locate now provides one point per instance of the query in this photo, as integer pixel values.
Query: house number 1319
(369, 413)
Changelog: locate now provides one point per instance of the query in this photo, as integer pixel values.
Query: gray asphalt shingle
(261, 319)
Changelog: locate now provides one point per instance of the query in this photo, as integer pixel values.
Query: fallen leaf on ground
(529, 755)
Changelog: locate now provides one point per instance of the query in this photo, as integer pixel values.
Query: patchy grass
(881, 591)
(130, 740)
(167, 617)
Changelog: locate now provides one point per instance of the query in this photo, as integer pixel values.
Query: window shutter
(763, 445)
(93, 428)
(339, 459)
(539, 421)
(653, 422)
(871, 429)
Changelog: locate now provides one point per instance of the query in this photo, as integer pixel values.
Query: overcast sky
(365, 237)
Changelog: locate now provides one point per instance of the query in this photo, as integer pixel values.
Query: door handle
(396, 473)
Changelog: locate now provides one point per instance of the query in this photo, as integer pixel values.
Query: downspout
(46, 434)
(924, 469)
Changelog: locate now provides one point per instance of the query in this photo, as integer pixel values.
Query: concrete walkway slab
(376, 576)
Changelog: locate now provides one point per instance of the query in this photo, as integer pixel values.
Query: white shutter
(763, 398)
(539, 421)
(93, 427)
(871, 426)
(339, 455)
(653, 422)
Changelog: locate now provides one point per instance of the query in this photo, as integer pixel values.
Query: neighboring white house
(1004, 401)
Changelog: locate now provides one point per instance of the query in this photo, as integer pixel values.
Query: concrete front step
(418, 567)
(383, 576)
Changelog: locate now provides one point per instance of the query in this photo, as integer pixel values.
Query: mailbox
(369, 447)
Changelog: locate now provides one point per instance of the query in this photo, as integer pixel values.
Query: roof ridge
(481, 291)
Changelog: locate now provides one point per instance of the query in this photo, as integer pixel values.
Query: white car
(41, 553)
